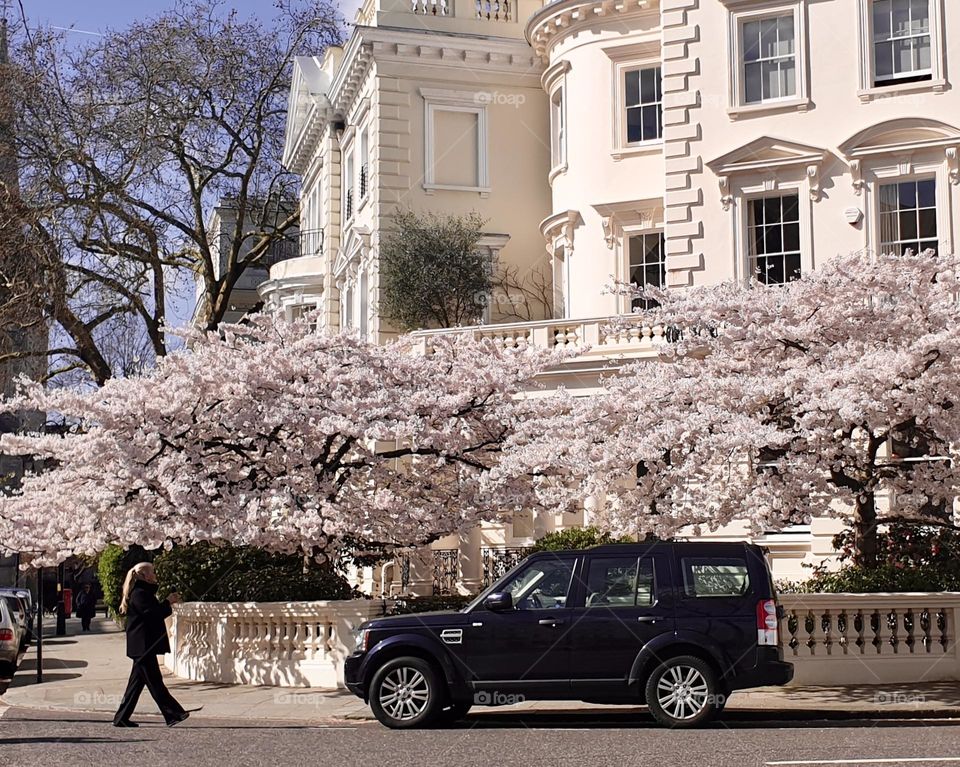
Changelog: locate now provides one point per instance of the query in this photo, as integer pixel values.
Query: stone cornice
(557, 19)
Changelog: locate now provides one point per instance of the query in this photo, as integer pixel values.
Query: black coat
(146, 631)
(85, 604)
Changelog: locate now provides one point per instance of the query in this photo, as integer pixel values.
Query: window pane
(791, 237)
(612, 583)
(756, 212)
(928, 224)
(651, 123)
(771, 210)
(788, 78)
(922, 46)
(792, 265)
(771, 80)
(752, 85)
(768, 38)
(633, 87)
(907, 194)
(751, 41)
(648, 85)
(715, 577)
(927, 193)
(881, 19)
(773, 237)
(901, 17)
(541, 586)
(902, 55)
(883, 63)
(888, 230)
(908, 224)
(634, 124)
(791, 208)
(888, 198)
(786, 36)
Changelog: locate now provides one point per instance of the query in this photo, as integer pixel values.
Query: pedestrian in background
(146, 639)
(86, 606)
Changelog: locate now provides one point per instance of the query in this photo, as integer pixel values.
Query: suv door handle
(647, 619)
(551, 621)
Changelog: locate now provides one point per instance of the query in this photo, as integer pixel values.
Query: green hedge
(576, 538)
(885, 578)
(112, 567)
(204, 572)
(429, 604)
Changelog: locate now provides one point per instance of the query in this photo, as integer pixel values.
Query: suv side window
(715, 577)
(541, 586)
(620, 582)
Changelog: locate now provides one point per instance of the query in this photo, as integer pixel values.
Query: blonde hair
(134, 574)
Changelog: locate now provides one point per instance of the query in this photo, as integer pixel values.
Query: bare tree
(124, 148)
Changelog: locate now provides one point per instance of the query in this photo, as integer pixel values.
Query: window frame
(738, 106)
(438, 100)
(629, 234)
(914, 178)
(750, 256)
(638, 559)
(869, 89)
(624, 108)
(626, 58)
(554, 82)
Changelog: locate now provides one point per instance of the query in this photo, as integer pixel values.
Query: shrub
(112, 568)
(867, 580)
(576, 538)
(430, 604)
(206, 572)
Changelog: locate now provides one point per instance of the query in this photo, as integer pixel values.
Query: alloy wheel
(404, 693)
(682, 692)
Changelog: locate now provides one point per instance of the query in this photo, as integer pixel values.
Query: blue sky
(97, 15)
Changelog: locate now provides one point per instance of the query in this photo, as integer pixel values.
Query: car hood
(441, 618)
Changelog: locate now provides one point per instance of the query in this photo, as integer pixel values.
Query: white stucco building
(678, 142)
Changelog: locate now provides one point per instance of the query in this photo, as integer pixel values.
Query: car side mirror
(499, 602)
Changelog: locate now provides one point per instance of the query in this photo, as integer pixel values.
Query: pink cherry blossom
(279, 436)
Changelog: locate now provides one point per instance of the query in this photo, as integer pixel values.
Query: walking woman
(146, 639)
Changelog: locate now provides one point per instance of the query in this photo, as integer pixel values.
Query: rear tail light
(768, 625)
(6, 635)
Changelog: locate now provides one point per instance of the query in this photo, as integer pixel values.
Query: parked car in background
(9, 641)
(27, 598)
(18, 610)
(677, 626)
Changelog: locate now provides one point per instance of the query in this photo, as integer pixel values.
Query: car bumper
(351, 674)
(769, 674)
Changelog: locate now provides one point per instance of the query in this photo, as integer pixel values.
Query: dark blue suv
(678, 626)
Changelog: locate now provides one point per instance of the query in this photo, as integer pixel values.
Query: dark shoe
(128, 723)
(176, 720)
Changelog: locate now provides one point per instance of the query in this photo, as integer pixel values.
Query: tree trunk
(866, 545)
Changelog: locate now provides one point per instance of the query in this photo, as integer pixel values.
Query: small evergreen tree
(432, 274)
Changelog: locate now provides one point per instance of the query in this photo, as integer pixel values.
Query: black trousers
(146, 673)
(85, 622)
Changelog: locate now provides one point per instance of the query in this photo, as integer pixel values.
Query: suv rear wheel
(406, 693)
(682, 692)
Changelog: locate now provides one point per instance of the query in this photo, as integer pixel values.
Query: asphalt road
(39, 738)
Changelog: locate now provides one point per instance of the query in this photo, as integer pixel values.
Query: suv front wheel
(406, 693)
(682, 692)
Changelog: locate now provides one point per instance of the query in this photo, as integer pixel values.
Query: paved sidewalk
(88, 673)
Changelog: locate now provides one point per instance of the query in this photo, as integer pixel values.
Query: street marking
(901, 760)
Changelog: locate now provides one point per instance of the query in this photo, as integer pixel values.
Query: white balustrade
(431, 7)
(602, 336)
(871, 638)
(289, 644)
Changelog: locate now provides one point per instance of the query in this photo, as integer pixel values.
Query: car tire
(406, 693)
(682, 692)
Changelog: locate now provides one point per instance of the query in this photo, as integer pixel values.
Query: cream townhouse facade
(672, 142)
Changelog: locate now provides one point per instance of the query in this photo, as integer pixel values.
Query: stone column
(471, 565)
